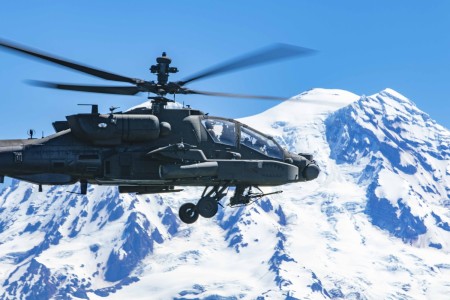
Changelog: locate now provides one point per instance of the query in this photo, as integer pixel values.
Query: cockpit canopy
(233, 133)
(221, 131)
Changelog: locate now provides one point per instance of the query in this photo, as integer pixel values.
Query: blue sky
(364, 47)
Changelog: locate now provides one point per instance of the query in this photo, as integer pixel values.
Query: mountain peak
(390, 93)
(394, 98)
(318, 93)
(302, 109)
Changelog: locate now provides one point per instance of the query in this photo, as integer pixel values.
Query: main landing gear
(209, 202)
(207, 206)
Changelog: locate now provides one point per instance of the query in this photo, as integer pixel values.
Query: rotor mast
(162, 69)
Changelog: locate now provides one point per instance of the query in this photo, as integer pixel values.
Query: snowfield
(374, 225)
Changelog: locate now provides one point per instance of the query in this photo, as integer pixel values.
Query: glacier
(374, 225)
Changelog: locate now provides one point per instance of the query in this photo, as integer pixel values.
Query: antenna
(113, 108)
(30, 133)
(94, 108)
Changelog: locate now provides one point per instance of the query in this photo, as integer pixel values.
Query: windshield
(260, 143)
(221, 131)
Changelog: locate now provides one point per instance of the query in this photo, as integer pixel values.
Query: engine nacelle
(114, 129)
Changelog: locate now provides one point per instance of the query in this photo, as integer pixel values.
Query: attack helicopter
(158, 149)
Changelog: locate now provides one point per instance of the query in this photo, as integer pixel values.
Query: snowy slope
(374, 225)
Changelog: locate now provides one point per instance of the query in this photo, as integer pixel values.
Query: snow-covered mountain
(374, 225)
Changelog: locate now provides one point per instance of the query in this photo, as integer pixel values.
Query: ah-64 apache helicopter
(154, 150)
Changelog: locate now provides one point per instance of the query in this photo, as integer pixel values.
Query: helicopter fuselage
(146, 153)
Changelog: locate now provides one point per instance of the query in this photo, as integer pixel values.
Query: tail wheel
(188, 213)
(207, 207)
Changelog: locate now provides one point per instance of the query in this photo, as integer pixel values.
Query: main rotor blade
(218, 94)
(66, 63)
(263, 56)
(292, 99)
(118, 90)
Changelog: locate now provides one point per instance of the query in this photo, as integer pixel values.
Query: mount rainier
(374, 225)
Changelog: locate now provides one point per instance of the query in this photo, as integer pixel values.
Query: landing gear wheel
(207, 207)
(188, 213)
